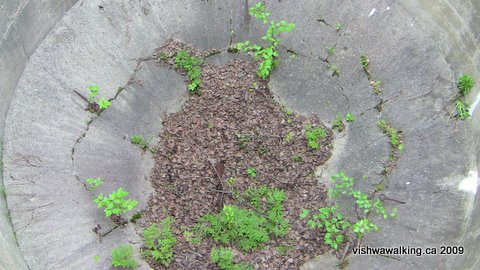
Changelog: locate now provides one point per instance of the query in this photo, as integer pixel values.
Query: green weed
(93, 183)
(465, 84)
(140, 141)
(122, 256)
(313, 134)
(349, 117)
(159, 242)
(224, 257)
(93, 105)
(115, 202)
(289, 137)
(268, 54)
(252, 172)
(395, 138)
(192, 66)
(462, 109)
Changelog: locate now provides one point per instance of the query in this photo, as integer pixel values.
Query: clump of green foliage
(266, 54)
(313, 134)
(395, 138)
(289, 136)
(334, 69)
(115, 202)
(93, 183)
(224, 257)
(333, 222)
(338, 123)
(192, 66)
(95, 105)
(338, 27)
(140, 141)
(159, 242)
(252, 172)
(462, 109)
(377, 87)
(248, 228)
(349, 117)
(465, 84)
(122, 256)
(297, 158)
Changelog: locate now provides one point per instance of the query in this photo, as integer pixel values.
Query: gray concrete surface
(51, 144)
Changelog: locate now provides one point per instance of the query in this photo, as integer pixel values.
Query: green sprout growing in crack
(93, 183)
(140, 141)
(192, 66)
(115, 203)
(266, 54)
(462, 109)
(465, 84)
(94, 105)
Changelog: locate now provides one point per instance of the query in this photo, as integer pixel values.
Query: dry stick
(220, 180)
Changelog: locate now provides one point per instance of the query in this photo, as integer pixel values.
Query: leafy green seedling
(334, 69)
(268, 54)
(140, 141)
(338, 123)
(224, 257)
(252, 172)
(289, 137)
(159, 242)
(297, 159)
(338, 27)
(364, 62)
(115, 202)
(377, 87)
(96, 258)
(93, 105)
(313, 134)
(465, 84)
(349, 117)
(192, 66)
(462, 109)
(331, 51)
(231, 181)
(122, 256)
(93, 183)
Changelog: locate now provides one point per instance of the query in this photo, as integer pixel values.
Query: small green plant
(247, 227)
(115, 202)
(462, 109)
(336, 227)
(96, 258)
(122, 256)
(93, 183)
(287, 111)
(192, 66)
(252, 172)
(268, 54)
(224, 257)
(93, 105)
(140, 141)
(313, 134)
(331, 51)
(338, 123)
(159, 242)
(395, 138)
(244, 139)
(334, 69)
(365, 62)
(297, 159)
(465, 84)
(231, 181)
(289, 137)
(349, 117)
(338, 27)
(190, 237)
(377, 87)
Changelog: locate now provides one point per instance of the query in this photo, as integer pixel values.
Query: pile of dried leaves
(235, 124)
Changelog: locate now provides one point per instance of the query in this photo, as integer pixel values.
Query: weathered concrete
(52, 144)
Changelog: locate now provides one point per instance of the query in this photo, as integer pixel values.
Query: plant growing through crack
(159, 242)
(140, 141)
(192, 66)
(337, 228)
(94, 105)
(115, 203)
(465, 84)
(393, 134)
(93, 183)
(122, 256)
(266, 54)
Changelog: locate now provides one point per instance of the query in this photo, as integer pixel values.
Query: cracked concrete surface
(51, 144)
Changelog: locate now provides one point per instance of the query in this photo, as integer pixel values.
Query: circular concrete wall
(416, 48)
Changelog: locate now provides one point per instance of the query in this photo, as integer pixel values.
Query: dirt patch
(235, 124)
